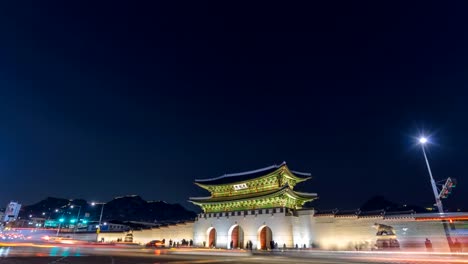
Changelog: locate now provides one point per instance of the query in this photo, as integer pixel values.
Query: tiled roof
(361, 214)
(247, 175)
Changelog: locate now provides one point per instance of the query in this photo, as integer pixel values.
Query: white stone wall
(412, 234)
(303, 229)
(172, 232)
(279, 223)
(324, 232)
(344, 233)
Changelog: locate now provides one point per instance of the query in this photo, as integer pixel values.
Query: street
(44, 253)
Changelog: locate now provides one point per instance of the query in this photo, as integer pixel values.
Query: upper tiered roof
(251, 175)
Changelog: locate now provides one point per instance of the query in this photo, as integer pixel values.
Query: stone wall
(354, 233)
(251, 222)
(303, 230)
(329, 232)
(176, 233)
(412, 234)
(344, 233)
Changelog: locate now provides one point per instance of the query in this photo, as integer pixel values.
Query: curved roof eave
(228, 175)
(231, 177)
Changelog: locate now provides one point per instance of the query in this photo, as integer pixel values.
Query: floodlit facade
(262, 209)
(244, 208)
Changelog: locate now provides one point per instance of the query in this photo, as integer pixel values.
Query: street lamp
(102, 211)
(423, 141)
(77, 217)
(61, 220)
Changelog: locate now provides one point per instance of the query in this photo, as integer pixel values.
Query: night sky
(102, 100)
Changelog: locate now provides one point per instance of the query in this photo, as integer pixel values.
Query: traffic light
(72, 221)
(447, 188)
(453, 182)
(61, 220)
(85, 222)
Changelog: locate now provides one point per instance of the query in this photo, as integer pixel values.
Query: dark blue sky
(103, 99)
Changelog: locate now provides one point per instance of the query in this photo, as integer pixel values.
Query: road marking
(200, 261)
(57, 260)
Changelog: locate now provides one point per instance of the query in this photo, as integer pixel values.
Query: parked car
(155, 243)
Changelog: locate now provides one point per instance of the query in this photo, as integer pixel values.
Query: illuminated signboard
(240, 186)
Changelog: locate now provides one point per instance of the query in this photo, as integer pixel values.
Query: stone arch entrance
(211, 235)
(235, 237)
(265, 236)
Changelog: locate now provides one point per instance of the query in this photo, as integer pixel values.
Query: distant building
(12, 211)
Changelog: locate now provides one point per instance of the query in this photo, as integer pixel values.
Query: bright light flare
(423, 140)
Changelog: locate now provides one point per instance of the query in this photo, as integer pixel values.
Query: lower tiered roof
(252, 196)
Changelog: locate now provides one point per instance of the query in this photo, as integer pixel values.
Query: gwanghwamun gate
(261, 209)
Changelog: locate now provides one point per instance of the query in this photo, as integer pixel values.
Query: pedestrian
(428, 244)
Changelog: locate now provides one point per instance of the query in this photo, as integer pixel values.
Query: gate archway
(265, 236)
(211, 235)
(235, 237)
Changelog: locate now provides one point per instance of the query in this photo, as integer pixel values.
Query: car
(155, 243)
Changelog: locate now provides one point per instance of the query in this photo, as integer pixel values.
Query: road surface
(77, 254)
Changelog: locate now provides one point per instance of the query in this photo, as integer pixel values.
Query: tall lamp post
(58, 229)
(77, 216)
(423, 141)
(61, 220)
(102, 211)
